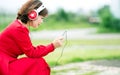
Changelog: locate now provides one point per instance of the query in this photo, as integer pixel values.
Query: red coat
(14, 41)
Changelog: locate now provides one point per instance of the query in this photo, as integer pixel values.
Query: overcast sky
(53, 5)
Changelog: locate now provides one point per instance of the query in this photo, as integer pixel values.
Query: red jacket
(14, 41)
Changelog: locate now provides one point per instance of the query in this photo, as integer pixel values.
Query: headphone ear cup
(32, 15)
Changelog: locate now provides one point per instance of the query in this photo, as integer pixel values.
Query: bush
(109, 22)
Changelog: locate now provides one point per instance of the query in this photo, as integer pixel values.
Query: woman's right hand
(58, 42)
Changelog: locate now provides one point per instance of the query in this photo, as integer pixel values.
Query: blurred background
(91, 29)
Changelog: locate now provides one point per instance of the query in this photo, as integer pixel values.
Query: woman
(15, 41)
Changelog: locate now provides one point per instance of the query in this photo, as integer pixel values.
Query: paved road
(88, 33)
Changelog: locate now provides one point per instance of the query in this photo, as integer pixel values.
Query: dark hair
(29, 6)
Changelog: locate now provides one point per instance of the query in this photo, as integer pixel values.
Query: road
(88, 33)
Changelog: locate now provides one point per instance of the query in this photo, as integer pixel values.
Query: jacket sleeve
(22, 39)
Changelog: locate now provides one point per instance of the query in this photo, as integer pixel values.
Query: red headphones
(32, 15)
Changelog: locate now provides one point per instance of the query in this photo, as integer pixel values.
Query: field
(83, 50)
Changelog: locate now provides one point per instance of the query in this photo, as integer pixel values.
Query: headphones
(32, 15)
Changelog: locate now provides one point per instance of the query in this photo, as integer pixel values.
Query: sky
(75, 5)
(53, 5)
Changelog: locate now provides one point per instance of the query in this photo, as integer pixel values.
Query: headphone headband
(40, 8)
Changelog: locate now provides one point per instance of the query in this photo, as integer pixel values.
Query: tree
(109, 22)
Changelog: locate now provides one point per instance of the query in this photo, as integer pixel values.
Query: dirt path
(100, 67)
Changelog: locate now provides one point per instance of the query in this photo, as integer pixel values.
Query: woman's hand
(58, 42)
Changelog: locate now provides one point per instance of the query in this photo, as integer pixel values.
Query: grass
(76, 54)
(64, 25)
(91, 73)
(84, 42)
(70, 56)
(5, 21)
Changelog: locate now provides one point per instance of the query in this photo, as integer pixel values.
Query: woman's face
(37, 22)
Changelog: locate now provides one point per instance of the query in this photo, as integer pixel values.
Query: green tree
(109, 22)
(62, 15)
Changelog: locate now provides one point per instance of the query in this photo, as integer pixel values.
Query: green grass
(75, 54)
(70, 56)
(62, 25)
(52, 26)
(83, 42)
(96, 42)
(107, 30)
(5, 21)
